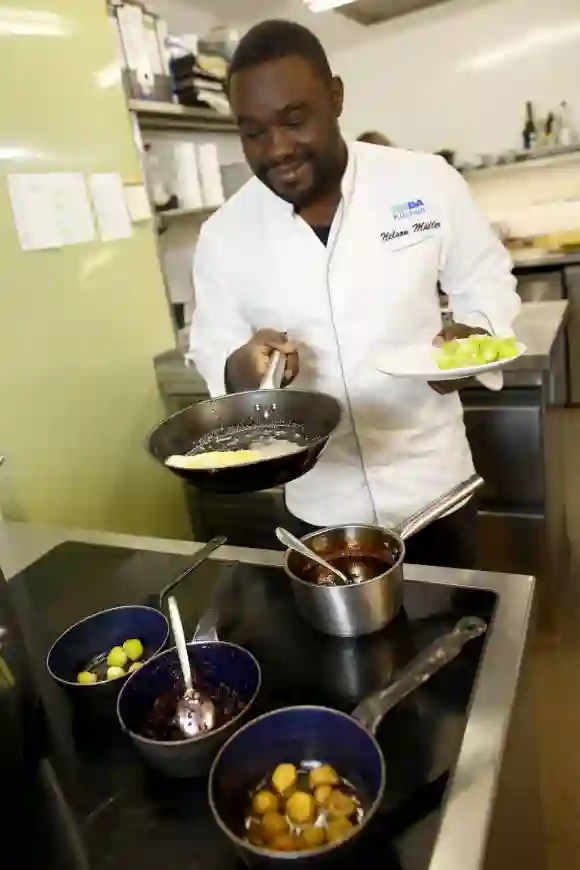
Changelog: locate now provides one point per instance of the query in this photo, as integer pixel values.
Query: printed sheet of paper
(137, 202)
(51, 209)
(110, 206)
(34, 213)
(72, 207)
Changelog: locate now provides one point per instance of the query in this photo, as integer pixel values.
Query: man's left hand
(448, 333)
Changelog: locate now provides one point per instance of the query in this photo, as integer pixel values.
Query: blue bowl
(219, 664)
(96, 634)
(293, 734)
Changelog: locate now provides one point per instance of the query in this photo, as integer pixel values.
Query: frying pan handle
(373, 709)
(207, 627)
(272, 380)
(199, 557)
(438, 507)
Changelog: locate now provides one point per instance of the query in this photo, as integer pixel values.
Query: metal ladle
(195, 713)
(288, 540)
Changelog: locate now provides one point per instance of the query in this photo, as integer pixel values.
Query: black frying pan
(234, 422)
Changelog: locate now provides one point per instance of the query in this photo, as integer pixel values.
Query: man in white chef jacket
(331, 253)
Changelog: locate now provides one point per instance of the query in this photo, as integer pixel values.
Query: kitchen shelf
(171, 213)
(527, 160)
(153, 115)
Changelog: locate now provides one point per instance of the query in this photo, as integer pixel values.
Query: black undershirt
(323, 233)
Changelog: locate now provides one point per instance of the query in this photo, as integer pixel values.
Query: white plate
(418, 361)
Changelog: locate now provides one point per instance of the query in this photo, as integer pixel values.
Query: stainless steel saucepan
(373, 557)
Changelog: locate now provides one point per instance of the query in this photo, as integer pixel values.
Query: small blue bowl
(293, 734)
(219, 664)
(94, 635)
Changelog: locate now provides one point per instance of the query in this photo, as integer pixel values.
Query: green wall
(79, 326)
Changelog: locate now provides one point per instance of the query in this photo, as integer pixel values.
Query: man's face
(288, 118)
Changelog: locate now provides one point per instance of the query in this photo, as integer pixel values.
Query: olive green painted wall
(79, 326)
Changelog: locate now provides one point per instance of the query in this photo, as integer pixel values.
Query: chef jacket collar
(347, 184)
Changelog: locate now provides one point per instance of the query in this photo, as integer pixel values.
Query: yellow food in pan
(298, 809)
(213, 459)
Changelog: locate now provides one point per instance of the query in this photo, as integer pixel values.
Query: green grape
(449, 347)
(476, 350)
(117, 658)
(489, 353)
(507, 347)
(445, 362)
(133, 648)
(86, 678)
(135, 667)
(476, 342)
(113, 673)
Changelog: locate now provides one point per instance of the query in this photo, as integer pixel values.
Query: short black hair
(275, 39)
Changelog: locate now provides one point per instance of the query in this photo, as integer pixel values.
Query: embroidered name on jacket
(419, 227)
(394, 234)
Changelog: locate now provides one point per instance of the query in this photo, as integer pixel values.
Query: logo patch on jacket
(411, 209)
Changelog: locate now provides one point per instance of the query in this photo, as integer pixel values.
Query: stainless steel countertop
(558, 260)
(537, 325)
(466, 814)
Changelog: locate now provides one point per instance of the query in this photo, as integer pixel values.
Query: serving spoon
(195, 713)
(289, 540)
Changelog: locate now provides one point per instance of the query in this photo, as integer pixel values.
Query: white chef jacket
(406, 220)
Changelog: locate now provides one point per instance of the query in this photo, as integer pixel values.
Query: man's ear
(337, 91)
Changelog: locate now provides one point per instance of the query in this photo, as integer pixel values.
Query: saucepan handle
(199, 557)
(272, 380)
(207, 627)
(372, 710)
(437, 508)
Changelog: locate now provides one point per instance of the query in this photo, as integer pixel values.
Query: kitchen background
(105, 178)
(455, 75)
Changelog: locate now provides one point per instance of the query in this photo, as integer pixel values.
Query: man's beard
(326, 171)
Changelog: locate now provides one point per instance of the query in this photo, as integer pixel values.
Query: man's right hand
(247, 365)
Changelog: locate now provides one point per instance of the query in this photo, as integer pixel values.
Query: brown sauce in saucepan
(357, 566)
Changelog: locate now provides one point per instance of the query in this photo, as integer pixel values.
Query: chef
(373, 137)
(332, 252)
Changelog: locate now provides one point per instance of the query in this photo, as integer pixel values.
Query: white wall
(183, 16)
(458, 76)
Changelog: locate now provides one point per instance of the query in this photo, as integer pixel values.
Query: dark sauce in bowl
(160, 723)
(356, 565)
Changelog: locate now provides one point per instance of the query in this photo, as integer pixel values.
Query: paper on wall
(137, 202)
(110, 206)
(73, 213)
(34, 212)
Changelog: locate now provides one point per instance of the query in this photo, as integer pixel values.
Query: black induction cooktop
(125, 817)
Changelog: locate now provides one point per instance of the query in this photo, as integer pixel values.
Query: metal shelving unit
(153, 115)
(526, 160)
(175, 213)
